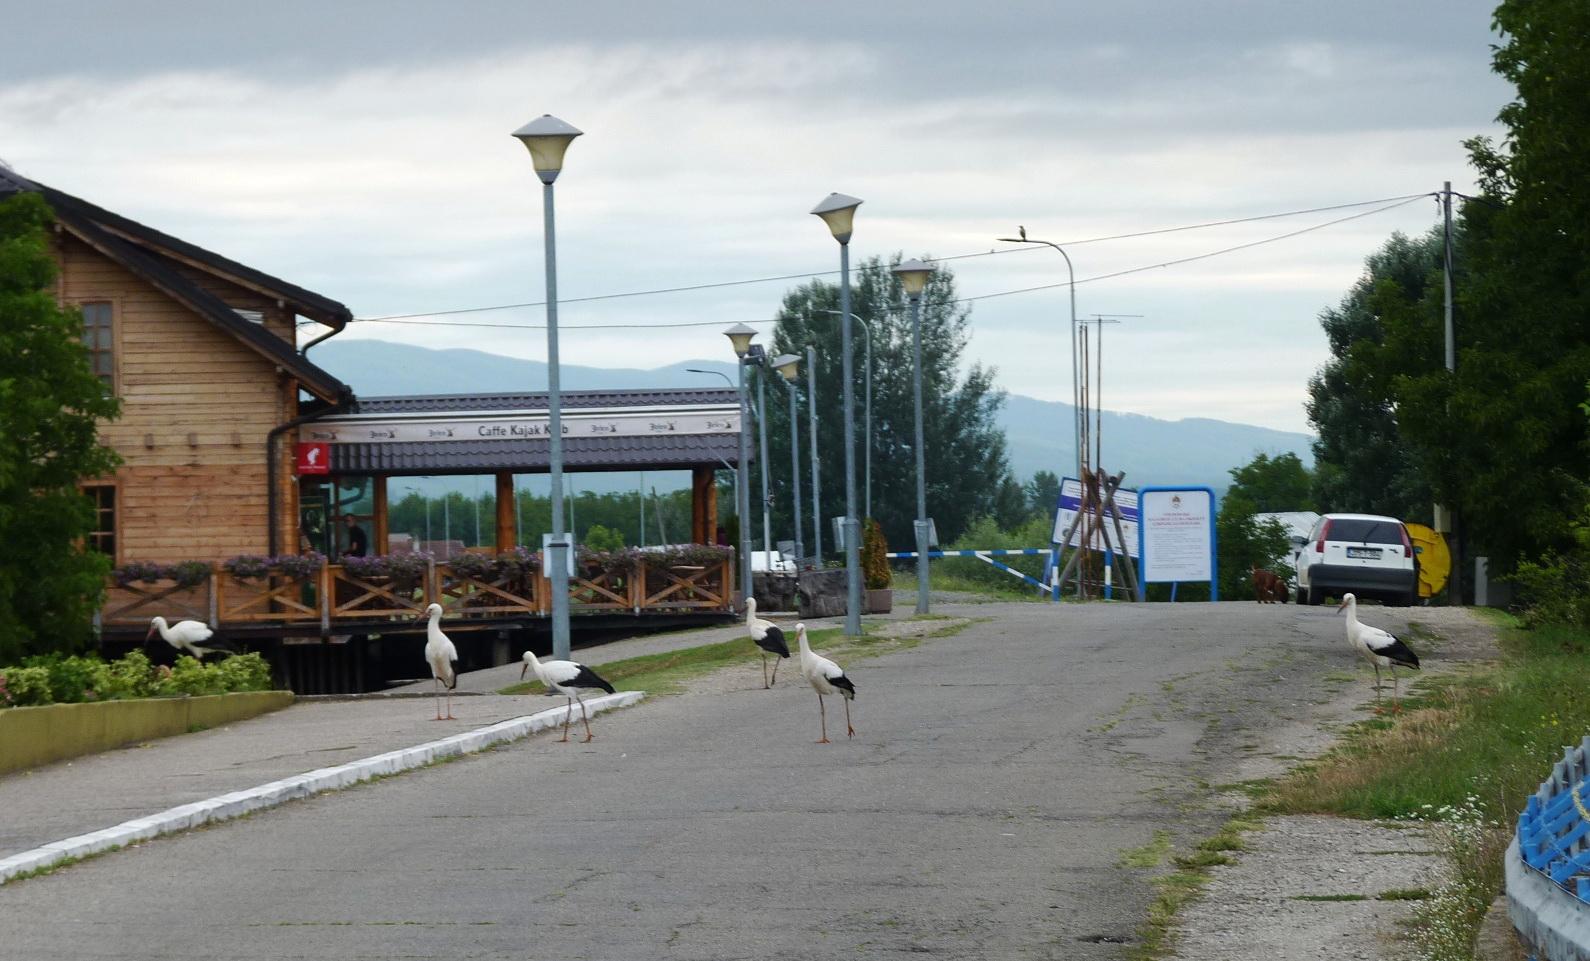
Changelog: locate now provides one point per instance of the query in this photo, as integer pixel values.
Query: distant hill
(1193, 450)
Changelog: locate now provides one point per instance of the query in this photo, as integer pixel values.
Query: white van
(1368, 554)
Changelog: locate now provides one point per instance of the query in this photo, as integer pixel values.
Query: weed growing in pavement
(1329, 897)
(1449, 917)
(1175, 890)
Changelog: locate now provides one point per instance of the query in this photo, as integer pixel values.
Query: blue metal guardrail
(987, 557)
(1548, 862)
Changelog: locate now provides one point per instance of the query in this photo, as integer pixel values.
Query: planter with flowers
(141, 589)
(875, 569)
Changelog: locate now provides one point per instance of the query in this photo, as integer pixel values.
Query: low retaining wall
(31, 736)
(1548, 863)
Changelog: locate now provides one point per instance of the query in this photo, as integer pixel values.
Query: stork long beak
(523, 671)
(151, 632)
(1341, 607)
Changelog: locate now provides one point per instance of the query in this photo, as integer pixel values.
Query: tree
(965, 454)
(1043, 493)
(50, 402)
(1362, 462)
(1281, 484)
(1243, 542)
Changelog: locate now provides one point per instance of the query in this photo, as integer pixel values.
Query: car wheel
(1301, 597)
(1316, 596)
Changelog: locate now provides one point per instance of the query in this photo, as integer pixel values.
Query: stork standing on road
(567, 678)
(441, 655)
(826, 677)
(768, 637)
(1378, 647)
(185, 636)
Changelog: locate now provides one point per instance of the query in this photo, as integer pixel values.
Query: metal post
(742, 485)
(795, 475)
(867, 328)
(922, 546)
(817, 491)
(641, 490)
(557, 559)
(447, 523)
(852, 522)
(761, 431)
(1455, 594)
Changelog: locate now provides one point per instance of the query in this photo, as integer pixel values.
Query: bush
(1556, 590)
(601, 539)
(132, 676)
(247, 567)
(243, 672)
(71, 679)
(874, 565)
(26, 686)
(984, 534)
(189, 677)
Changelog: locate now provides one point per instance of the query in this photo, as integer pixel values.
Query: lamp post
(788, 366)
(759, 357)
(1076, 399)
(839, 213)
(547, 138)
(866, 458)
(914, 275)
(817, 493)
(740, 335)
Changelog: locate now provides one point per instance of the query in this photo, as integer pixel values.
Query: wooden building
(231, 439)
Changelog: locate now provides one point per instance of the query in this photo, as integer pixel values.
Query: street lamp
(788, 366)
(866, 459)
(839, 212)
(817, 492)
(740, 337)
(547, 138)
(914, 275)
(1076, 397)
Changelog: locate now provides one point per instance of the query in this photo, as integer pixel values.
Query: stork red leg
(438, 695)
(849, 731)
(586, 720)
(822, 718)
(567, 717)
(775, 672)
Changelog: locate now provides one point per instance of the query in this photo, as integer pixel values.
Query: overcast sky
(362, 150)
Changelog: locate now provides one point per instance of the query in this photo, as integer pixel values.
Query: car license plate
(1372, 553)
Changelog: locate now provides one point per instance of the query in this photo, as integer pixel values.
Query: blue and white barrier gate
(987, 557)
(1548, 863)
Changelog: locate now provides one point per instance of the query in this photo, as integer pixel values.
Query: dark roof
(153, 256)
(533, 456)
(571, 400)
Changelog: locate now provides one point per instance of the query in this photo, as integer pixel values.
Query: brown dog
(1268, 587)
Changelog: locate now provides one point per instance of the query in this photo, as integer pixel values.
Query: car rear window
(1365, 532)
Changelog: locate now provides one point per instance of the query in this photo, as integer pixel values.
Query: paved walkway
(90, 793)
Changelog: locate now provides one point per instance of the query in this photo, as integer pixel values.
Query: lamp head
(913, 276)
(547, 137)
(788, 366)
(838, 212)
(740, 335)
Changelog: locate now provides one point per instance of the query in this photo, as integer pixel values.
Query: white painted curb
(237, 803)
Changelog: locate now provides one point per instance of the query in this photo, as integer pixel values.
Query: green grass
(668, 672)
(1173, 891)
(1329, 897)
(1150, 855)
(1403, 894)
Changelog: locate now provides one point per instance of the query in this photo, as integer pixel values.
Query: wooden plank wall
(197, 406)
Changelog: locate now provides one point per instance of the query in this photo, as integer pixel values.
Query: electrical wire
(825, 273)
(1403, 202)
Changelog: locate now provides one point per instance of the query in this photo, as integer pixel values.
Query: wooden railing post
(215, 596)
(325, 581)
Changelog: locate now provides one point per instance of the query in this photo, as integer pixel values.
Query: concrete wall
(31, 736)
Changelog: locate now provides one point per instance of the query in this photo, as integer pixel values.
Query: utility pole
(1455, 591)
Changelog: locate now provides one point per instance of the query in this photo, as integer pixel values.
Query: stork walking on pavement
(1379, 647)
(569, 679)
(826, 677)
(768, 636)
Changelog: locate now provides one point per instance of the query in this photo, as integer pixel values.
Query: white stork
(1378, 647)
(185, 636)
(441, 655)
(768, 636)
(567, 678)
(826, 677)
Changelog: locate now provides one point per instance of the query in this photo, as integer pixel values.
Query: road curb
(237, 803)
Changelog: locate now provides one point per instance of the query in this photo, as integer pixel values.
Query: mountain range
(1193, 450)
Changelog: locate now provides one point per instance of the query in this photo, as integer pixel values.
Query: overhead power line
(826, 273)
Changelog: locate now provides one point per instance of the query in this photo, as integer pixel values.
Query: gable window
(103, 537)
(97, 337)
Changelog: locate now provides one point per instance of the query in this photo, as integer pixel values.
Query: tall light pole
(866, 329)
(839, 213)
(547, 138)
(760, 358)
(914, 275)
(817, 491)
(788, 366)
(1076, 399)
(740, 335)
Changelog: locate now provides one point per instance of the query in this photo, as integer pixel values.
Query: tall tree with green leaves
(965, 448)
(50, 400)
(1503, 439)
(1362, 462)
(1280, 483)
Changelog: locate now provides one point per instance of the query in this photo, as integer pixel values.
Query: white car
(1368, 554)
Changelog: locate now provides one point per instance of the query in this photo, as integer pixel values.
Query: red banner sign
(314, 458)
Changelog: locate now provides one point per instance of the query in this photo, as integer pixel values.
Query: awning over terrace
(476, 433)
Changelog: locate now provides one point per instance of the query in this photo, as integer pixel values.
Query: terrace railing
(334, 596)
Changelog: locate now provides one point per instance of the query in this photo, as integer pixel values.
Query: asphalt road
(982, 811)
